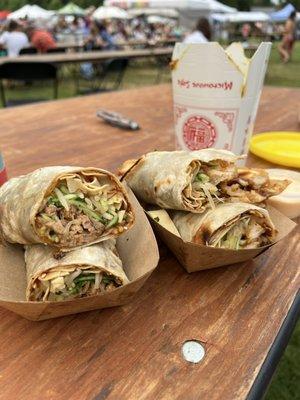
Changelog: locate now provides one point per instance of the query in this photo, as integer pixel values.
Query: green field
(286, 382)
(280, 74)
(145, 72)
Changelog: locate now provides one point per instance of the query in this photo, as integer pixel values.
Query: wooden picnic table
(127, 43)
(243, 314)
(89, 56)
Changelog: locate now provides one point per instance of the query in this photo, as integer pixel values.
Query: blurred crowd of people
(93, 34)
(84, 31)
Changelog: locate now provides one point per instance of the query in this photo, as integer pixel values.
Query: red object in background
(3, 174)
(4, 14)
(42, 41)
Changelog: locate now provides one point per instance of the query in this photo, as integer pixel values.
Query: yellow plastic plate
(281, 148)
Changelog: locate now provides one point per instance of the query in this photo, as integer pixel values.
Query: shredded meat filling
(74, 225)
(80, 209)
(252, 186)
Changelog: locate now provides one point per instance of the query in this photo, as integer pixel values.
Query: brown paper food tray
(195, 257)
(138, 251)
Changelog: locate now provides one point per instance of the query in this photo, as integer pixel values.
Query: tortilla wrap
(230, 225)
(35, 210)
(80, 273)
(180, 180)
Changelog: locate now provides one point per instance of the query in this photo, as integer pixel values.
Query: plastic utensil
(281, 148)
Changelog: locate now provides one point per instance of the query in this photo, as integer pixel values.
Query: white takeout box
(216, 94)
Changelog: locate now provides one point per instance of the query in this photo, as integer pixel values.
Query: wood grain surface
(89, 56)
(134, 351)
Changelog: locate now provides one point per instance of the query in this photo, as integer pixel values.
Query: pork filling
(80, 209)
(248, 232)
(75, 283)
(204, 187)
(252, 186)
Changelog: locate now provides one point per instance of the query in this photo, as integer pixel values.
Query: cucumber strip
(84, 278)
(64, 189)
(113, 221)
(82, 206)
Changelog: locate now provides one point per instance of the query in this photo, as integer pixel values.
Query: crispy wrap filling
(69, 282)
(203, 191)
(252, 186)
(248, 231)
(82, 207)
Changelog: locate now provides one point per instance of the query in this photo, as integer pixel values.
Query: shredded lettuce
(62, 199)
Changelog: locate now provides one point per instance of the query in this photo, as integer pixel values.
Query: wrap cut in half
(180, 180)
(80, 273)
(66, 207)
(252, 185)
(232, 226)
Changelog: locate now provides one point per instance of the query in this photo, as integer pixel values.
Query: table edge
(269, 366)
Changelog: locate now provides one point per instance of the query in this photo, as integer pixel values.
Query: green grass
(280, 74)
(286, 382)
(144, 72)
(139, 73)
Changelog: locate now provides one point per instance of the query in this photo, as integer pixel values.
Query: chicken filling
(252, 186)
(61, 285)
(80, 209)
(204, 187)
(248, 232)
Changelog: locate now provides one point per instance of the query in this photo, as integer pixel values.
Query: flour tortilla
(206, 227)
(161, 177)
(22, 197)
(98, 257)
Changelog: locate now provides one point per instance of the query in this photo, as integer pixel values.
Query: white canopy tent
(31, 12)
(157, 19)
(162, 12)
(189, 10)
(203, 5)
(110, 13)
(241, 17)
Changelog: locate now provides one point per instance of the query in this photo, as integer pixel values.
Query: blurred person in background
(246, 31)
(13, 39)
(285, 48)
(201, 33)
(121, 34)
(177, 31)
(109, 43)
(41, 39)
(139, 31)
(61, 26)
(94, 39)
